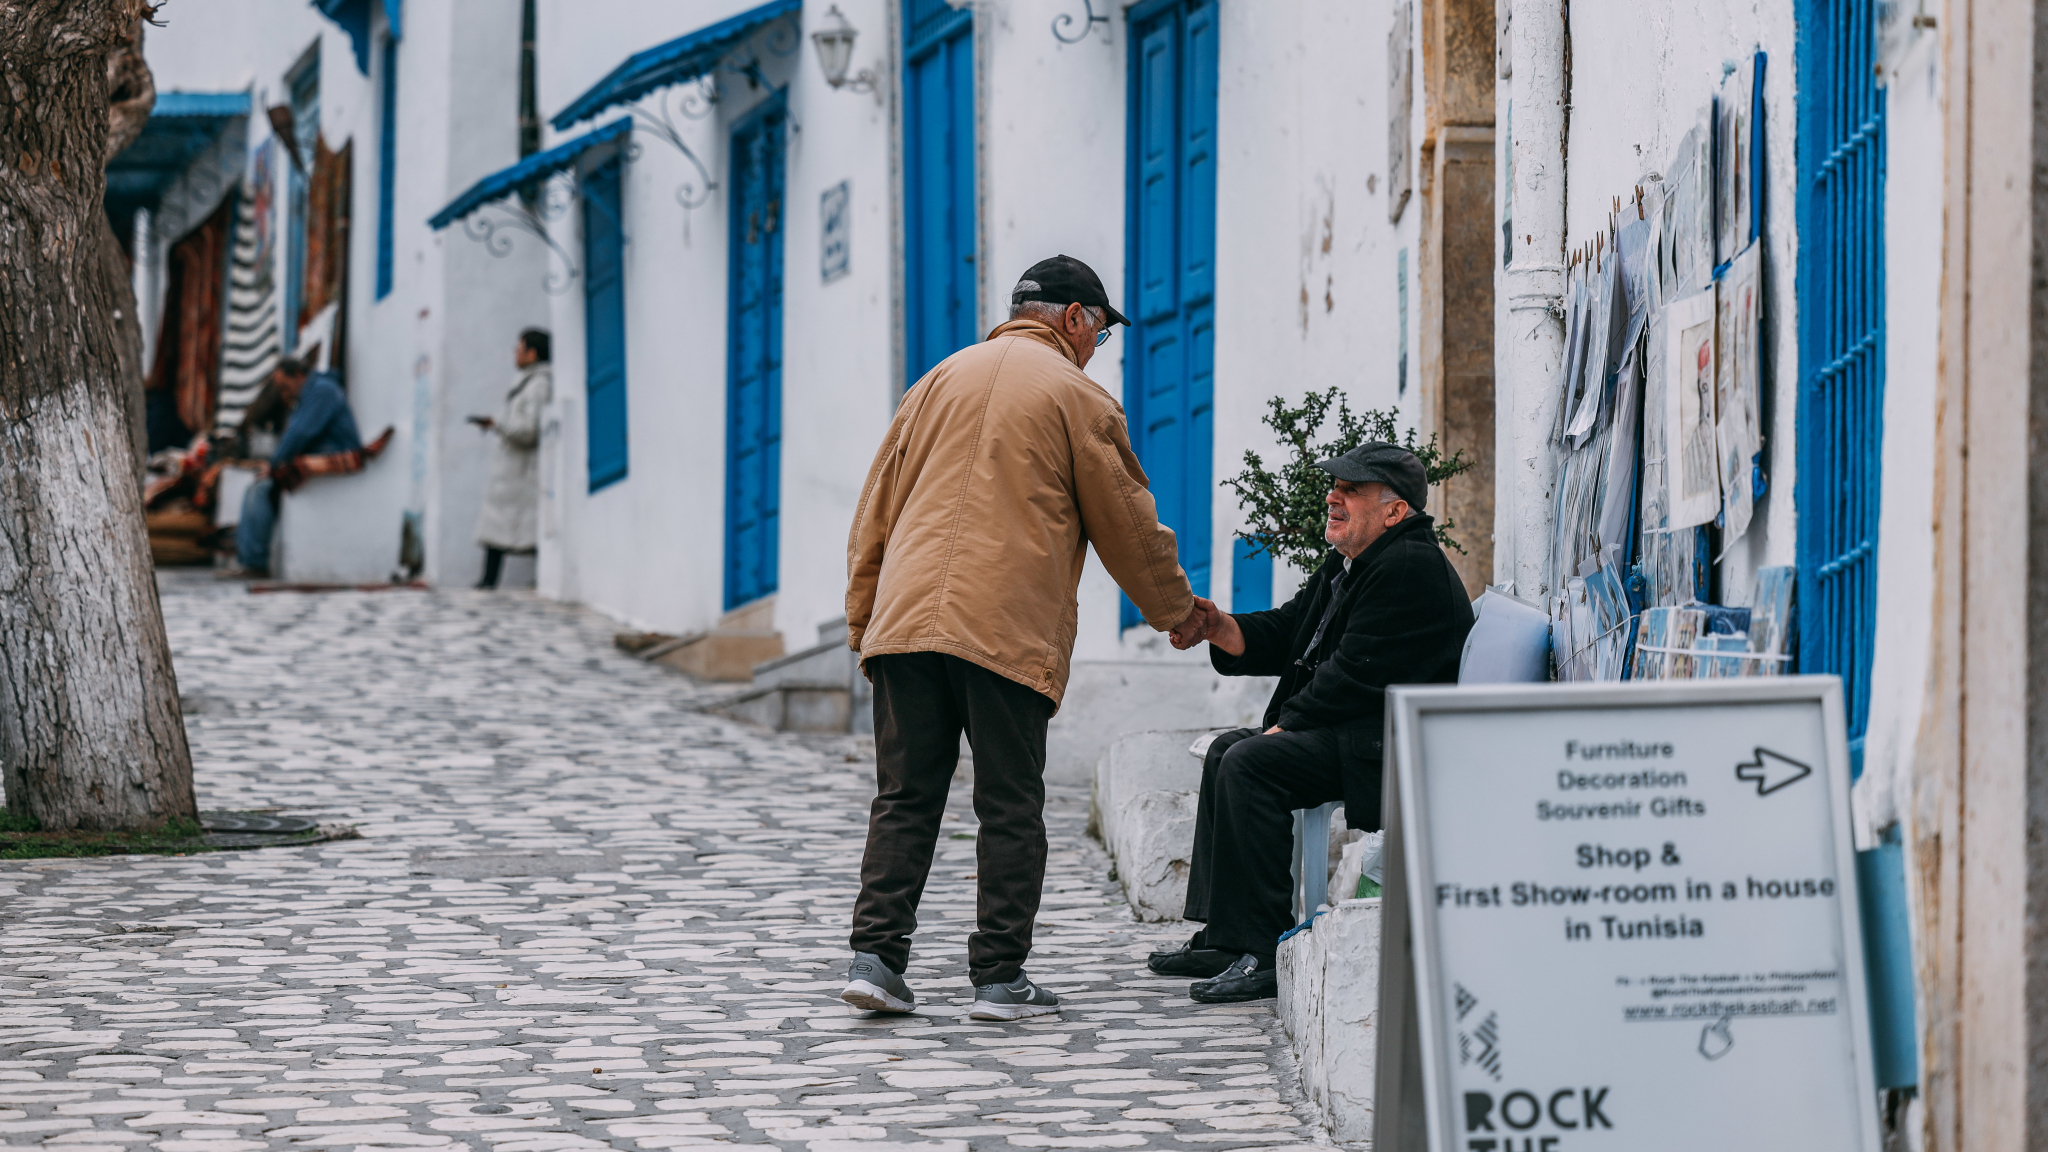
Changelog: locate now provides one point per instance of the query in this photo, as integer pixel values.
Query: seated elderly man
(320, 423)
(1385, 608)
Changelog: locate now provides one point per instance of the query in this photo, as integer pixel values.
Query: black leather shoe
(1249, 978)
(1190, 960)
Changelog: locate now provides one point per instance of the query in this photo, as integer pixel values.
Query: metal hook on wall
(1065, 20)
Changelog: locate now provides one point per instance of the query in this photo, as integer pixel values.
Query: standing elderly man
(1002, 466)
(1384, 608)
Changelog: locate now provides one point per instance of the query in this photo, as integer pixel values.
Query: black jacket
(1401, 618)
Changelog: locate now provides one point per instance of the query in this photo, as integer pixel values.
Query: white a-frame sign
(1631, 920)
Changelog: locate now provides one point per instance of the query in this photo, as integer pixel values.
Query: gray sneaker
(875, 987)
(1013, 1001)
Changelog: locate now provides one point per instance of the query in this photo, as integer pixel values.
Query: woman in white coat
(512, 493)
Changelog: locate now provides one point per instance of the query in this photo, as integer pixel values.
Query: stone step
(726, 656)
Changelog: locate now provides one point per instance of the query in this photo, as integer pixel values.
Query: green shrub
(1285, 510)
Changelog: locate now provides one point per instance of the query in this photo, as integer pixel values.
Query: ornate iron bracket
(1065, 20)
(548, 204)
(693, 101)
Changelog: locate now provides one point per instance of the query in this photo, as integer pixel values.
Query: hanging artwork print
(1689, 376)
(1737, 424)
(1732, 176)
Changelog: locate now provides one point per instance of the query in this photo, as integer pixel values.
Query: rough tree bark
(90, 731)
(131, 95)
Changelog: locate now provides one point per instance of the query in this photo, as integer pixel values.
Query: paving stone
(584, 915)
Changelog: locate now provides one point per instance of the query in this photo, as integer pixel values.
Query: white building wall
(1905, 554)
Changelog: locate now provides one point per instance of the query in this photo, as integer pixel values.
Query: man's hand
(1272, 730)
(1196, 627)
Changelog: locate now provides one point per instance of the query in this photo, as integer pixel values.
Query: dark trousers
(923, 700)
(1240, 882)
(494, 563)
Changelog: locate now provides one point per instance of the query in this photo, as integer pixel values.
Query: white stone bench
(1144, 814)
(1329, 1006)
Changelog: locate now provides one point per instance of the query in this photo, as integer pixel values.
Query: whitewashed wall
(649, 549)
(1905, 554)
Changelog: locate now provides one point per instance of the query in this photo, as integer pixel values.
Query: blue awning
(538, 166)
(682, 59)
(353, 17)
(180, 127)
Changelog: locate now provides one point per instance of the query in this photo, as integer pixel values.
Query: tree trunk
(90, 731)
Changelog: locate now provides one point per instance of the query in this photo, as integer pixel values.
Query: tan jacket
(1003, 464)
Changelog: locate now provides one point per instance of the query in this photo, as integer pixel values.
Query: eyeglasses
(1102, 337)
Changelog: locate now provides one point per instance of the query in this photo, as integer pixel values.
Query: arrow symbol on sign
(1771, 771)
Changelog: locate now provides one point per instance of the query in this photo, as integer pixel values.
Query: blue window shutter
(1170, 259)
(387, 164)
(604, 325)
(753, 404)
(942, 290)
(1251, 578)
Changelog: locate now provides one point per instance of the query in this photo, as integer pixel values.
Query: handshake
(1208, 622)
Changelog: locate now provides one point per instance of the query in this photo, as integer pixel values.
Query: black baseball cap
(1065, 280)
(1377, 462)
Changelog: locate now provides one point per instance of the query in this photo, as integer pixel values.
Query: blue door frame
(753, 393)
(1841, 291)
(1170, 269)
(604, 323)
(941, 289)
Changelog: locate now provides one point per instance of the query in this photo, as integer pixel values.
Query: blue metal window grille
(1170, 269)
(604, 324)
(1841, 433)
(753, 395)
(387, 163)
(1841, 347)
(942, 295)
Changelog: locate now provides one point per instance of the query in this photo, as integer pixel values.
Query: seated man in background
(1385, 608)
(320, 423)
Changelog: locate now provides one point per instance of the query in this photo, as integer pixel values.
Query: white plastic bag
(1362, 861)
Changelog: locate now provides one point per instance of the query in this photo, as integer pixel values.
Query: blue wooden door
(941, 299)
(604, 325)
(1170, 257)
(753, 395)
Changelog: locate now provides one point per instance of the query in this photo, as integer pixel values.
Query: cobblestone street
(582, 915)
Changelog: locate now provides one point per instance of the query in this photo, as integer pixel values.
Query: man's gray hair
(1049, 312)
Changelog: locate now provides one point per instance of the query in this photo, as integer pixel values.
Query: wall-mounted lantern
(835, 54)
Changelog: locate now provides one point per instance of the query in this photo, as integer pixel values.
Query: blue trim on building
(604, 324)
(942, 282)
(757, 195)
(1841, 294)
(387, 164)
(1169, 269)
(683, 59)
(353, 17)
